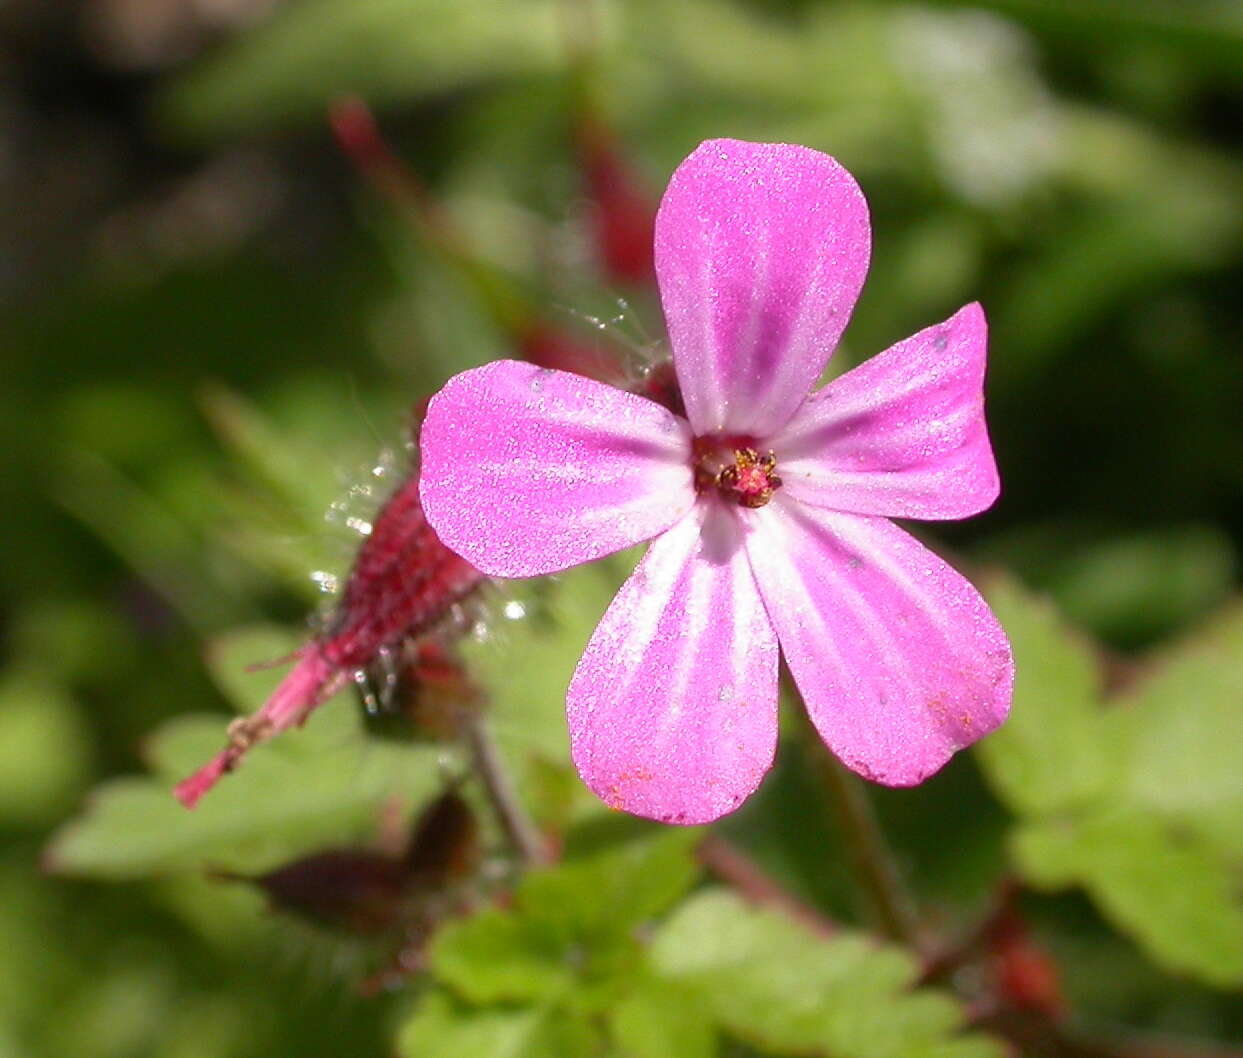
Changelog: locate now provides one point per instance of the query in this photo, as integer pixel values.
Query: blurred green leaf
(44, 749)
(445, 1029)
(154, 540)
(525, 658)
(283, 508)
(309, 53)
(87, 638)
(1129, 587)
(1148, 818)
(497, 957)
(267, 456)
(1051, 755)
(768, 981)
(124, 422)
(307, 788)
(660, 1020)
(1205, 32)
(1170, 892)
(572, 926)
(610, 893)
(1115, 251)
(1148, 210)
(247, 664)
(1181, 733)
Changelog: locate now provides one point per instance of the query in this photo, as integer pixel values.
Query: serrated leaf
(610, 893)
(572, 926)
(1181, 731)
(498, 957)
(768, 981)
(442, 1028)
(1050, 755)
(1170, 892)
(1149, 821)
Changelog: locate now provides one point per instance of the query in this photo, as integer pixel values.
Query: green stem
(876, 869)
(737, 870)
(519, 828)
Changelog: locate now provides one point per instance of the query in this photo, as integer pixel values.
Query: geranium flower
(768, 507)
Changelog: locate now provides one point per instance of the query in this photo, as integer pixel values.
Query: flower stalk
(872, 860)
(736, 869)
(519, 828)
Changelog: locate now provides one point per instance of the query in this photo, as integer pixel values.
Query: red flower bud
(404, 583)
(623, 215)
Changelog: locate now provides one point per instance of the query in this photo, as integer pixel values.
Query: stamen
(750, 480)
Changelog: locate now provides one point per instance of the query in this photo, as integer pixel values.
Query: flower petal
(901, 435)
(673, 708)
(528, 471)
(899, 659)
(761, 249)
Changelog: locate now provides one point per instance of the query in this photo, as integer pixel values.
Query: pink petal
(761, 249)
(528, 471)
(899, 660)
(673, 708)
(901, 435)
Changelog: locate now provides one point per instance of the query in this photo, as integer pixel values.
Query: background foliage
(214, 328)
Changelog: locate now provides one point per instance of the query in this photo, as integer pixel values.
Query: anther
(750, 480)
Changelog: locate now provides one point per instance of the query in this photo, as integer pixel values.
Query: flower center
(738, 474)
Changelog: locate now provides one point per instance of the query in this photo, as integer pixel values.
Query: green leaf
(1050, 755)
(309, 53)
(44, 749)
(306, 788)
(770, 982)
(1169, 892)
(611, 893)
(280, 517)
(1140, 802)
(1181, 730)
(142, 528)
(265, 455)
(443, 1028)
(1206, 35)
(661, 1020)
(572, 927)
(1121, 247)
(497, 956)
(1132, 588)
(541, 633)
(525, 661)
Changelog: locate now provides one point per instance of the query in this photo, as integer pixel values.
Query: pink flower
(768, 507)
